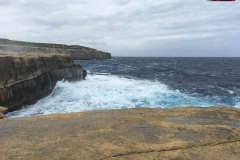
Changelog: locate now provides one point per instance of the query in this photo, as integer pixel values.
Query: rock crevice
(170, 149)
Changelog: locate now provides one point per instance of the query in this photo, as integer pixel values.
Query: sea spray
(100, 92)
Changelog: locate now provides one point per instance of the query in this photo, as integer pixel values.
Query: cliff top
(12, 47)
(7, 42)
(31, 55)
(178, 133)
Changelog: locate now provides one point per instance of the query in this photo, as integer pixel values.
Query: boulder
(2, 115)
(3, 109)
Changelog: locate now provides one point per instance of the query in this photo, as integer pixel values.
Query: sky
(148, 28)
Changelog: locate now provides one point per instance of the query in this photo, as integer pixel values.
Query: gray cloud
(128, 27)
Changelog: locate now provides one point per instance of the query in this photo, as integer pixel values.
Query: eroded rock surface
(25, 78)
(179, 133)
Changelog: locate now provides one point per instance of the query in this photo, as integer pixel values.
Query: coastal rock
(132, 134)
(25, 78)
(75, 51)
(86, 54)
(3, 109)
(2, 115)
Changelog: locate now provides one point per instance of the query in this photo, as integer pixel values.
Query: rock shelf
(178, 133)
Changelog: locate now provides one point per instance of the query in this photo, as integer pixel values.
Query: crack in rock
(164, 150)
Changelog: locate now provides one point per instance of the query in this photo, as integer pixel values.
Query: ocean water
(124, 82)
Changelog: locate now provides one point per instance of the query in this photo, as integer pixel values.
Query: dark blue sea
(125, 82)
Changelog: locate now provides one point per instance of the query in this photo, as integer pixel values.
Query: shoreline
(30, 71)
(106, 110)
(135, 133)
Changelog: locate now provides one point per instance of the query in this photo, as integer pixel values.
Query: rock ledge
(179, 133)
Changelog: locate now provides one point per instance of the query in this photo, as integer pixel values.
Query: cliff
(25, 78)
(75, 51)
(131, 134)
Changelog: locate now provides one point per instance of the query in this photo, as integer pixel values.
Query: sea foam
(100, 92)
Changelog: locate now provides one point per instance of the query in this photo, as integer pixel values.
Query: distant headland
(13, 47)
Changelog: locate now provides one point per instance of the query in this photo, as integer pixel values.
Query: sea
(134, 82)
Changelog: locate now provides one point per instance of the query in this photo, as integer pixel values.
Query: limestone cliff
(76, 52)
(24, 78)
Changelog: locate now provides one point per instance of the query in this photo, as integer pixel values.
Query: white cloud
(125, 27)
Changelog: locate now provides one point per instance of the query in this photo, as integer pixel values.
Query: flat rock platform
(141, 134)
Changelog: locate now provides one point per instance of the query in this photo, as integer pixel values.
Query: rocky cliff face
(75, 51)
(24, 78)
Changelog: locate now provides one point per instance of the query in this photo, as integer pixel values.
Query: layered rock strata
(25, 78)
(128, 134)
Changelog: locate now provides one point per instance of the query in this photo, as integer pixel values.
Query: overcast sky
(128, 27)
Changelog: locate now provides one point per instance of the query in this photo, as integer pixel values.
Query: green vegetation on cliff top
(46, 45)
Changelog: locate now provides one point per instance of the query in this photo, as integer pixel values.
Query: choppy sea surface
(124, 82)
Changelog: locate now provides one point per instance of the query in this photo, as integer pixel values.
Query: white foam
(230, 92)
(99, 92)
